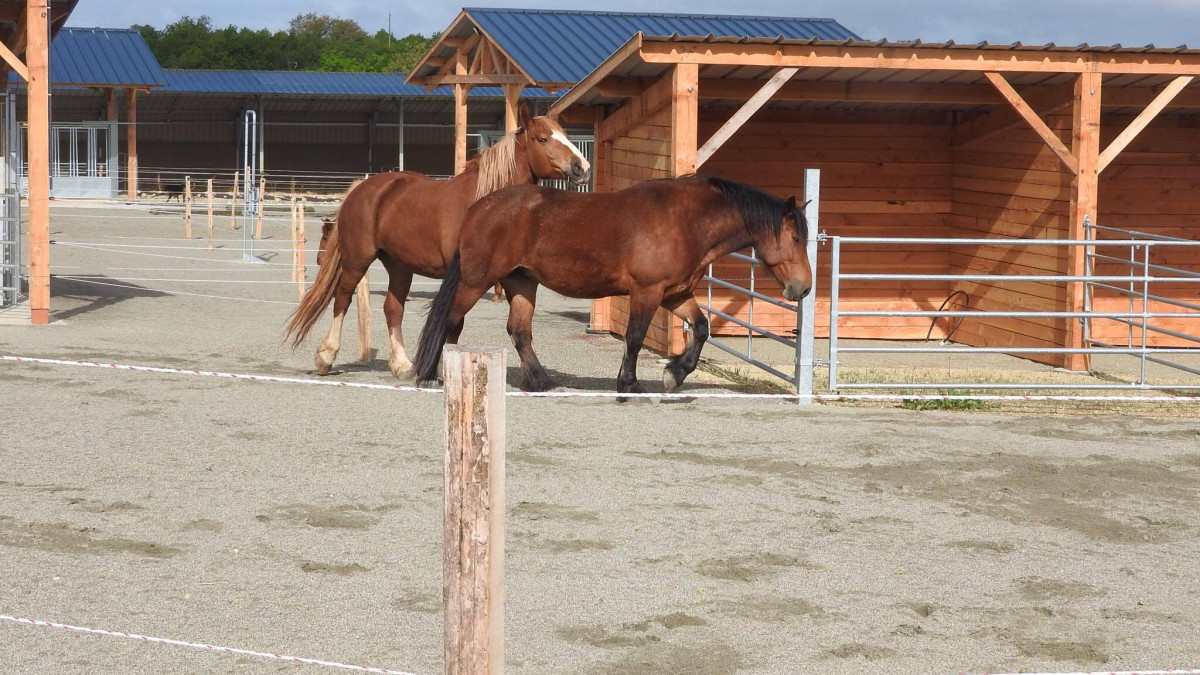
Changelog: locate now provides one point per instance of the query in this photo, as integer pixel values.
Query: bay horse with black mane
(410, 223)
(651, 242)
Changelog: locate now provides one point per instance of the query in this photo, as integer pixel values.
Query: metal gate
(251, 202)
(586, 144)
(10, 204)
(83, 160)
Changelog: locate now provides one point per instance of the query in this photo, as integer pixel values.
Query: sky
(1127, 22)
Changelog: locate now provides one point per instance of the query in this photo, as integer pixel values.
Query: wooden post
(187, 207)
(460, 128)
(210, 214)
(37, 60)
(233, 224)
(685, 100)
(295, 253)
(303, 241)
(473, 524)
(1085, 146)
(262, 188)
(131, 144)
(512, 98)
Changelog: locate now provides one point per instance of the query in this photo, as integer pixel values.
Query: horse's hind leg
(342, 295)
(522, 297)
(399, 282)
(684, 306)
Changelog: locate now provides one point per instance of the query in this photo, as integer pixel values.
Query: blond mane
(497, 166)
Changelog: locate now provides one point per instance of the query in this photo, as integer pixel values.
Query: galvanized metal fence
(10, 205)
(802, 343)
(1136, 285)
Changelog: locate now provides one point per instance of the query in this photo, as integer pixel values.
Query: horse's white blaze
(398, 361)
(562, 138)
(332, 343)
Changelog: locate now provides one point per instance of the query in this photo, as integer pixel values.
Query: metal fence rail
(804, 362)
(1136, 286)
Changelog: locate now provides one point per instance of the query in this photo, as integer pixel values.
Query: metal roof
(818, 41)
(101, 56)
(563, 46)
(306, 83)
(89, 56)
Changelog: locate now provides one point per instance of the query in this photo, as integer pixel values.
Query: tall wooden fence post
(262, 190)
(302, 241)
(237, 176)
(210, 214)
(473, 523)
(187, 207)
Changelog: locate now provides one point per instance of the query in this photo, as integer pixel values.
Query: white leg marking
(331, 344)
(398, 361)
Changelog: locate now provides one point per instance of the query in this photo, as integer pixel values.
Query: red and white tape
(1183, 671)
(201, 645)
(593, 394)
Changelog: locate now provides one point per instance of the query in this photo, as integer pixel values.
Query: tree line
(311, 42)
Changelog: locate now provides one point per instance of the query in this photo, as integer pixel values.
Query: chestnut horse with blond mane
(410, 223)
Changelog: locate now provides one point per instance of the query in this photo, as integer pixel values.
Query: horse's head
(550, 153)
(326, 233)
(786, 256)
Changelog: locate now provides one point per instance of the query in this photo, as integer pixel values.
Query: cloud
(1164, 22)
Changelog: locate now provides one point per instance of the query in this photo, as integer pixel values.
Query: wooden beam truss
(757, 101)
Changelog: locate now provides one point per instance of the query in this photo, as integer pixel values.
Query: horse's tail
(318, 296)
(362, 298)
(433, 334)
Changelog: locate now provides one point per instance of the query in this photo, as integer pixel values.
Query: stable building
(921, 140)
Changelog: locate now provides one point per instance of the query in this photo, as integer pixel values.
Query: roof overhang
(874, 75)
(466, 54)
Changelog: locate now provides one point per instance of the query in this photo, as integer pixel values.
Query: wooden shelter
(25, 32)
(917, 140)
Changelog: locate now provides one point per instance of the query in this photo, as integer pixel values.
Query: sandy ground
(693, 537)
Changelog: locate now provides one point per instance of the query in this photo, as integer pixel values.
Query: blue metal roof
(98, 56)
(566, 45)
(306, 83)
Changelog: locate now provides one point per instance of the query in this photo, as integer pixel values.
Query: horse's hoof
(322, 367)
(635, 388)
(671, 379)
(401, 370)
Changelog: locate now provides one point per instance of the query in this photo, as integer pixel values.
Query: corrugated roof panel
(94, 56)
(566, 45)
(305, 83)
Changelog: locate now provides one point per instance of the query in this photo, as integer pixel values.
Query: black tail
(437, 324)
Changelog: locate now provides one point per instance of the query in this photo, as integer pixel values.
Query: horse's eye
(541, 140)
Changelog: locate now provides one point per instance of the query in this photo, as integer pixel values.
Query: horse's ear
(553, 115)
(790, 207)
(523, 116)
(326, 226)
(806, 204)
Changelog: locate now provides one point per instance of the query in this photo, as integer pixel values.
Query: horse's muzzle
(794, 292)
(579, 175)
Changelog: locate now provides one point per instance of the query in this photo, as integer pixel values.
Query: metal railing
(1143, 274)
(802, 344)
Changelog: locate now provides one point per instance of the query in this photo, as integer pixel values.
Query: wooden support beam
(473, 517)
(1044, 101)
(460, 114)
(1143, 120)
(110, 105)
(473, 78)
(14, 62)
(1085, 144)
(131, 143)
(1030, 115)
(600, 73)
(685, 107)
(512, 98)
(758, 100)
(37, 56)
(916, 58)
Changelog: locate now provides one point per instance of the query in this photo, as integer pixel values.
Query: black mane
(762, 213)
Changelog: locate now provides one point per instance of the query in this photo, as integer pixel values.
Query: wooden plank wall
(882, 174)
(1012, 186)
(1154, 187)
(641, 153)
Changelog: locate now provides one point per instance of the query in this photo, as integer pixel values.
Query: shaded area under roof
(101, 57)
(563, 46)
(306, 83)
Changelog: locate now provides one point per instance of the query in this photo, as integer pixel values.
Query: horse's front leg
(642, 306)
(684, 306)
